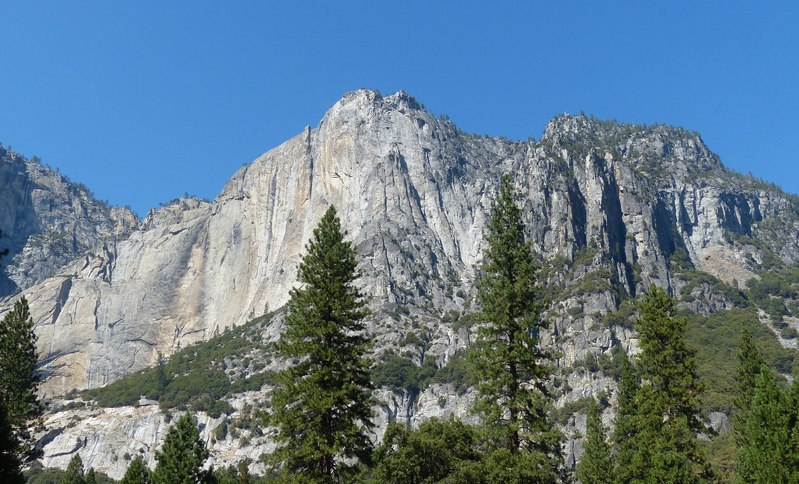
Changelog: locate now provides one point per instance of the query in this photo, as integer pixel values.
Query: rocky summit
(610, 207)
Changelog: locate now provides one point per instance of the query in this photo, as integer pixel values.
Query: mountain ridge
(610, 207)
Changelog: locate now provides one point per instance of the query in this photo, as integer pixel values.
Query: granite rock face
(47, 221)
(608, 206)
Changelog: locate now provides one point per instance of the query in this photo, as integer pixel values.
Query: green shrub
(397, 373)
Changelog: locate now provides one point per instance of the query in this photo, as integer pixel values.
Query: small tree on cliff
(511, 367)
(321, 406)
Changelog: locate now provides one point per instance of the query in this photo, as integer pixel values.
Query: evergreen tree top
(322, 405)
(181, 459)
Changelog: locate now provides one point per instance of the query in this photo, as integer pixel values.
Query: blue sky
(145, 101)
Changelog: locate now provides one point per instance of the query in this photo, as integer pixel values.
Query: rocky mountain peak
(48, 221)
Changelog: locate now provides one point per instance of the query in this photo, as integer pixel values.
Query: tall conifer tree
(596, 466)
(769, 450)
(663, 443)
(750, 362)
(625, 423)
(511, 367)
(322, 405)
(181, 459)
(19, 382)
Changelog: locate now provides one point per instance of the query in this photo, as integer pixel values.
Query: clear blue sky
(143, 101)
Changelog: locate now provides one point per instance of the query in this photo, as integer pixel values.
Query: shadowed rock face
(47, 221)
(413, 192)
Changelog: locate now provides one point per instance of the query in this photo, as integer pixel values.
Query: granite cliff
(610, 207)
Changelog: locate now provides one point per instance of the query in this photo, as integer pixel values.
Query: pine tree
(750, 362)
(596, 466)
(625, 423)
(511, 367)
(664, 444)
(137, 472)
(10, 464)
(435, 452)
(90, 477)
(74, 472)
(244, 472)
(770, 450)
(322, 405)
(181, 459)
(19, 381)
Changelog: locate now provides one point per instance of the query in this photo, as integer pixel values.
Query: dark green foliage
(74, 472)
(611, 364)
(663, 445)
(501, 466)
(10, 464)
(679, 260)
(506, 354)
(19, 380)
(621, 317)
(750, 364)
(448, 452)
(243, 471)
(41, 475)
(771, 289)
(401, 374)
(397, 373)
(322, 405)
(90, 477)
(225, 475)
(52, 475)
(563, 414)
(596, 466)
(181, 459)
(720, 452)
(716, 339)
(456, 372)
(437, 450)
(695, 278)
(769, 442)
(3, 252)
(137, 472)
(625, 424)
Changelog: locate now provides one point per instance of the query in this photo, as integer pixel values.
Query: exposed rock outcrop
(47, 221)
